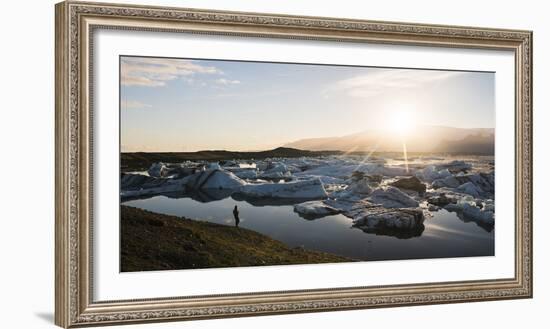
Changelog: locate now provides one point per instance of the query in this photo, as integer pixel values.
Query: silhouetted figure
(236, 215)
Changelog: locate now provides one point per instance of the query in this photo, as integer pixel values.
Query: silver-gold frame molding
(75, 25)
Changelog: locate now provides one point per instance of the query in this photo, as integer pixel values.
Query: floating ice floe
(315, 208)
(138, 181)
(361, 187)
(441, 200)
(455, 166)
(157, 169)
(431, 173)
(165, 170)
(213, 179)
(410, 183)
(470, 188)
(244, 173)
(149, 186)
(213, 166)
(344, 169)
(470, 210)
(309, 189)
(450, 181)
(358, 187)
(484, 181)
(275, 170)
(392, 197)
(372, 218)
(393, 219)
(324, 179)
(476, 185)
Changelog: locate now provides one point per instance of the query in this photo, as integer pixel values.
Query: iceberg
(360, 186)
(431, 173)
(449, 181)
(372, 218)
(154, 187)
(164, 170)
(315, 209)
(485, 182)
(455, 166)
(382, 218)
(470, 188)
(309, 189)
(213, 179)
(324, 179)
(441, 200)
(244, 173)
(213, 166)
(157, 169)
(410, 183)
(275, 170)
(139, 181)
(469, 209)
(392, 197)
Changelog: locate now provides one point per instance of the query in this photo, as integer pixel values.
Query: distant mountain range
(438, 139)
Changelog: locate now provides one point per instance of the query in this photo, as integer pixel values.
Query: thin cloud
(156, 72)
(382, 80)
(227, 82)
(132, 104)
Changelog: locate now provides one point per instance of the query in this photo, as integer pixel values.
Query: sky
(183, 105)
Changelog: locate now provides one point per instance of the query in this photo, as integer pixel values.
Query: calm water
(445, 235)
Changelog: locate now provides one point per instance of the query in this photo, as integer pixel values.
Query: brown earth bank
(152, 241)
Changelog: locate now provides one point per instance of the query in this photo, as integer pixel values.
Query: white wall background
(27, 162)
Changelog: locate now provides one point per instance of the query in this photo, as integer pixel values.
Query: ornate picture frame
(75, 24)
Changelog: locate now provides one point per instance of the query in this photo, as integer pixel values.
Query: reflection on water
(443, 235)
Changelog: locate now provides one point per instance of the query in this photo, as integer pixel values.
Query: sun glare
(400, 122)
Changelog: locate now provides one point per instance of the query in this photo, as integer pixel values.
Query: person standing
(236, 215)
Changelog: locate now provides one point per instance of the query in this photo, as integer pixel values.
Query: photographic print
(238, 163)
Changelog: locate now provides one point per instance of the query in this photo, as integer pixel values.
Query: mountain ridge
(422, 139)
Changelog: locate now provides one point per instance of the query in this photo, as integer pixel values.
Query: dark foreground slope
(151, 241)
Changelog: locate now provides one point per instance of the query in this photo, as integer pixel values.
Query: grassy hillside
(151, 241)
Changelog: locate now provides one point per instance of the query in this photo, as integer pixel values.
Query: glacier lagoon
(380, 208)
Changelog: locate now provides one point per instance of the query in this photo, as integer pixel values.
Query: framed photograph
(218, 164)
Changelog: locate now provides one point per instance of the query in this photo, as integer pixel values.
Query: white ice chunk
(449, 181)
(360, 187)
(244, 173)
(467, 206)
(431, 173)
(397, 219)
(315, 208)
(157, 169)
(310, 189)
(164, 186)
(213, 179)
(276, 170)
(456, 166)
(392, 197)
(213, 166)
(470, 188)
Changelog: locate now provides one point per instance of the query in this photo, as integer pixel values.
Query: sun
(400, 122)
